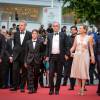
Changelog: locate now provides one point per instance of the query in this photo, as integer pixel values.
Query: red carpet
(42, 94)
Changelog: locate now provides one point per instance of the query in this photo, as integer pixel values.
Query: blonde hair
(85, 27)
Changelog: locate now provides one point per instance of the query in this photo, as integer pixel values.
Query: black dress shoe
(64, 84)
(98, 91)
(13, 89)
(22, 90)
(30, 91)
(42, 86)
(71, 89)
(51, 92)
(4, 87)
(35, 91)
(56, 92)
(98, 94)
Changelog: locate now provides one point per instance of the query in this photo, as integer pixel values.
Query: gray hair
(23, 21)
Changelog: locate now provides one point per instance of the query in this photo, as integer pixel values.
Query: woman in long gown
(83, 48)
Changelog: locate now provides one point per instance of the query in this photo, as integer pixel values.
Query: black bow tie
(21, 32)
(55, 33)
(34, 41)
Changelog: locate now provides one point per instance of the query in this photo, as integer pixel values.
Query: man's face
(56, 27)
(34, 35)
(73, 31)
(22, 26)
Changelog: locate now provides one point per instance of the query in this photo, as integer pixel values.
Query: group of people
(27, 51)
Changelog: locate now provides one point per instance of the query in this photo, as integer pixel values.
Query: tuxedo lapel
(19, 38)
(51, 38)
(10, 42)
(31, 44)
(59, 40)
(36, 45)
(25, 38)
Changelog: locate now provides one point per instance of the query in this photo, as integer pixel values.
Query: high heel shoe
(82, 92)
(79, 92)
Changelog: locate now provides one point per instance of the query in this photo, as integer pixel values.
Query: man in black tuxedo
(34, 48)
(98, 61)
(2, 49)
(69, 59)
(20, 39)
(9, 52)
(7, 63)
(56, 49)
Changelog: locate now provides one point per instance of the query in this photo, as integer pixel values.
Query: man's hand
(0, 60)
(66, 57)
(45, 42)
(25, 65)
(92, 60)
(11, 59)
(47, 59)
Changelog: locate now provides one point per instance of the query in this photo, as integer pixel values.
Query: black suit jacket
(9, 49)
(62, 44)
(69, 42)
(34, 54)
(2, 45)
(19, 50)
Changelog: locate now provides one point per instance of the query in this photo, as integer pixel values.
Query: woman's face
(82, 30)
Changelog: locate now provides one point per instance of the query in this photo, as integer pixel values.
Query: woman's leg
(79, 84)
(83, 85)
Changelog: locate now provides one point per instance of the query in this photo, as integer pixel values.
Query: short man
(34, 48)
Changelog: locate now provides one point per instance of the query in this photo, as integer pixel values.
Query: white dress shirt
(55, 44)
(12, 42)
(34, 43)
(22, 37)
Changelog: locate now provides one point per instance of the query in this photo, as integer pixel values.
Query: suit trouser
(42, 68)
(98, 69)
(10, 73)
(19, 75)
(33, 74)
(1, 80)
(55, 66)
(5, 72)
(92, 72)
(67, 72)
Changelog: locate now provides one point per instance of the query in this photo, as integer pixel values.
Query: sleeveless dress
(81, 59)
